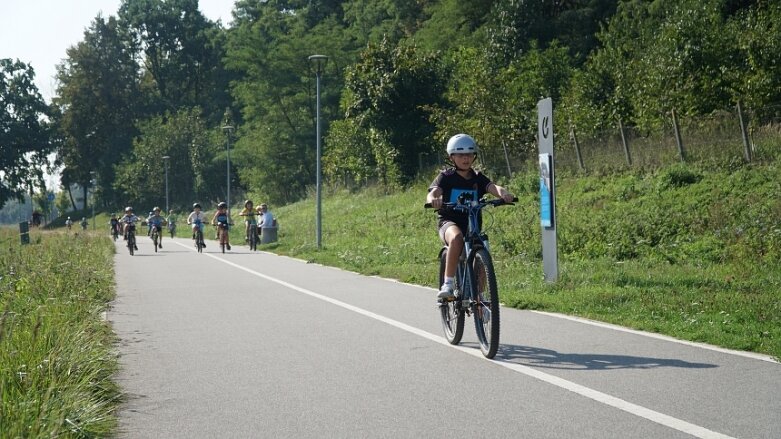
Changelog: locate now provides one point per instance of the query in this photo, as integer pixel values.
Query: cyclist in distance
(113, 224)
(197, 219)
(128, 220)
(221, 216)
(171, 220)
(447, 187)
(249, 213)
(156, 221)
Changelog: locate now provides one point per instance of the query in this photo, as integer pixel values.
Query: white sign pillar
(550, 258)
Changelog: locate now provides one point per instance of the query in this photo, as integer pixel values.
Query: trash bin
(24, 232)
(268, 234)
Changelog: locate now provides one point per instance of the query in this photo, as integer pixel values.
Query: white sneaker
(446, 292)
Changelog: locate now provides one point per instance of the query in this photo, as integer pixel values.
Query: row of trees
(402, 76)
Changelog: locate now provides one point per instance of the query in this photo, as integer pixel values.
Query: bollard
(24, 232)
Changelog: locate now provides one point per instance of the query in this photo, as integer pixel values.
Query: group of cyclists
(254, 217)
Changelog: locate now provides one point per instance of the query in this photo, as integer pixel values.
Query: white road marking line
(612, 401)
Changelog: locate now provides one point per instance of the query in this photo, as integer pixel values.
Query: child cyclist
(128, 220)
(446, 188)
(157, 221)
(250, 221)
(221, 217)
(197, 219)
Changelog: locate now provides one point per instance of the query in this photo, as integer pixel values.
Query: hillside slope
(687, 251)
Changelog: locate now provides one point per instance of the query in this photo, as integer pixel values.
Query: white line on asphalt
(612, 401)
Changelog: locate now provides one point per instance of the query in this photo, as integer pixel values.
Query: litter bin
(268, 234)
(24, 232)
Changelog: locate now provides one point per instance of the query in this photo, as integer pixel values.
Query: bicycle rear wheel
(451, 313)
(154, 239)
(253, 237)
(131, 243)
(199, 241)
(486, 306)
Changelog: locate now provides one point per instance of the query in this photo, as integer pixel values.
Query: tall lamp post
(165, 159)
(319, 61)
(228, 130)
(93, 181)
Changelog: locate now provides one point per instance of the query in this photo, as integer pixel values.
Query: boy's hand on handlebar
(508, 197)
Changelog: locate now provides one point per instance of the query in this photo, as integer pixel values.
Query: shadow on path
(550, 359)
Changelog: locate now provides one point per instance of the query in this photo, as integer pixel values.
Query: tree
(25, 136)
(182, 55)
(390, 94)
(97, 99)
(196, 168)
(268, 50)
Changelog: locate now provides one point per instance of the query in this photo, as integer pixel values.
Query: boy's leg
(454, 239)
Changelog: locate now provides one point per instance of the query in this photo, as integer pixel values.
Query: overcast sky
(38, 32)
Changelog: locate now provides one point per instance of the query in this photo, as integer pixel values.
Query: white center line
(612, 401)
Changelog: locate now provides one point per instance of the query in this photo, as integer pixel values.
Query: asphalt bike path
(249, 344)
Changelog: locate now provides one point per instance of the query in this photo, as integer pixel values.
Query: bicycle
(475, 287)
(252, 237)
(222, 230)
(131, 238)
(155, 235)
(199, 245)
(115, 232)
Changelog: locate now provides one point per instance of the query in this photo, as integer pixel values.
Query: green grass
(691, 252)
(56, 353)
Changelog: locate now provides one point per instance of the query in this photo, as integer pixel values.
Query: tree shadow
(540, 358)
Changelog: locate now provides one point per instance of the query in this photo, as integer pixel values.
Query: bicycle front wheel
(486, 305)
(451, 313)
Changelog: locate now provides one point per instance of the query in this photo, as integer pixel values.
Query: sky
(38, 32)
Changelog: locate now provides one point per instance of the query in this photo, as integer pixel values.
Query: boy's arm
(500, 192)
(434, 197)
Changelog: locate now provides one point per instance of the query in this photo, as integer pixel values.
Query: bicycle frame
(476, 292)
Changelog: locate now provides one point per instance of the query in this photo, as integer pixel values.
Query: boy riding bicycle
(446, 188)
(222, 221)
(128, 220)
(156, 221)
(197, 219)
(250, 221)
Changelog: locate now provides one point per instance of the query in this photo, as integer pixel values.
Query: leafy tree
(268, 50)
(373, 21)
(390, 93)
(25, 137)
(196, 167)
(182, 52)
(453, 24)
(757, 35)
(97, 99)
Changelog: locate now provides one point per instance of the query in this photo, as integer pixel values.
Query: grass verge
(56, 352)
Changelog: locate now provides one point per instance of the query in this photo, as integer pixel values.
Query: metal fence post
(744, 133)
(577, 147)
(624, 142)
(678, 139)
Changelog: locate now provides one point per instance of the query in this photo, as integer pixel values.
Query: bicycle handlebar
(481, 203)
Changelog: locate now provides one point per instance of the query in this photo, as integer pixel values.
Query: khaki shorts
(446, 225)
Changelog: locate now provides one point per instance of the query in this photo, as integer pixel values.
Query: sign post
(550, 258)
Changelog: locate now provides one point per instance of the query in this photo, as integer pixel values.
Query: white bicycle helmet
(461, 144)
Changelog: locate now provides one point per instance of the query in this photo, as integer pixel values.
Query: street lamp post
(228, 129)
(319, 62)
(165, 159)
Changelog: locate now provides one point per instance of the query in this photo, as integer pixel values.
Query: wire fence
(722, 138)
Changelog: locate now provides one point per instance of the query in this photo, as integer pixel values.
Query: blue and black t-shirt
(453, 185)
